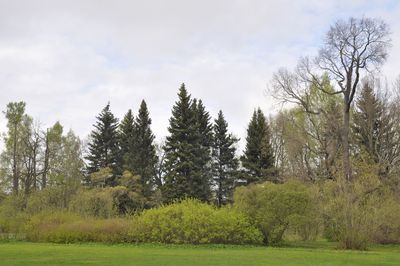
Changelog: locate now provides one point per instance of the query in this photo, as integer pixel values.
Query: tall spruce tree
(202, 177)
(144, 157)
(258, 159)
(181, 149)
(373, 128)
(225, 164)
(104, 145)
(127, 139)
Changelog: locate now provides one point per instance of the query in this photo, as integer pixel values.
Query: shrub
(12, 217)
(48, 199)
(274, 208)
(94, 203)
(191, 221)
(362, 212)
(66, 227)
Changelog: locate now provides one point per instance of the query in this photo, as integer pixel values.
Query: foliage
(191, 221)
(258, 159)
(362, 213)
(66, 227)
(94, 202)
(224, 163)
(274, 208)
(104, 144)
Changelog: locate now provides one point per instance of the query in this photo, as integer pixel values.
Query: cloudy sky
(67, 59)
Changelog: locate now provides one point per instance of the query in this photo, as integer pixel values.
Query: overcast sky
(67, 59)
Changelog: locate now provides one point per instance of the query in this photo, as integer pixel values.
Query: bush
(12, 217)
(66, 227)
(275, 208)
(360, 213)
(94, 203)
(50, 198)
(191, 221)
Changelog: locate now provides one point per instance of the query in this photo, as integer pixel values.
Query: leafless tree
(351, 48)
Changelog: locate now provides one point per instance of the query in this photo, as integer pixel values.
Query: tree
(103, 146)
(351, 47)
(258, 159)
(180, 149)
(127, 140)
(144, 151)
(224, 162)
(53, 145)
(374, 128)
(202, 176)
(14, 114)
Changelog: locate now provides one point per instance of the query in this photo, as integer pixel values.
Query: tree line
(340, 117)
(198, 158)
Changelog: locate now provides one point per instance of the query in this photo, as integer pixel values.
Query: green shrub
(191, 221)
(275, 208)
(48, 199)
(94, 203)
(66, 227)
(362, 212)
(12, 216)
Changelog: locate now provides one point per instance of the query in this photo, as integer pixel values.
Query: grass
(24, 253)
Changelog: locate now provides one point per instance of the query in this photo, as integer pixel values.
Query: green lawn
(22, 253)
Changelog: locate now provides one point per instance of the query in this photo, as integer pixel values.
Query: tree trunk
(15, 171)
(46, 162)
(346, 148)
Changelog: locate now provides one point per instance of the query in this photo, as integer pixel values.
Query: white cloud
(67, 59)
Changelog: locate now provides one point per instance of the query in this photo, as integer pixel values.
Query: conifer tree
(258, 159)
(104, 145)
(144, 157)
(127, 138)
(181, 149)
(225, 164)
(202, 175)
(373, 127)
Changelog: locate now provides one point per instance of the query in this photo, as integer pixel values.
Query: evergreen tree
(144, 157)
(225, 164)
(127, 139)
(103, 146)
(181, 149)
(202, 176)
(258, 159)
(373, 127)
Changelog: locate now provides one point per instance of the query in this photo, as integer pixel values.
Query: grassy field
(22, 253)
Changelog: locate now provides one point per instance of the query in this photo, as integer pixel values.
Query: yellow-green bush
(12, 216)
(191, 221)
(94, 203)
(362, 212)
(276, 208)
(66, 227)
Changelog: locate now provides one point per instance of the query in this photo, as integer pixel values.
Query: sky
(67, 59)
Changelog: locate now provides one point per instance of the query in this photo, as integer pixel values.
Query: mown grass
(24, 253)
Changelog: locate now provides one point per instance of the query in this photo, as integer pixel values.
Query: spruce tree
(225, 164)
(127, 139)
(258, 159)
(144, 151)
(202, 176)
(104, 145)
(373, 127)
(181, 149)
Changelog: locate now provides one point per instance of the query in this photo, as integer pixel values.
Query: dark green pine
(127, 139)
(144, 151)
(225, 164)
(180, 149)
(104, 145)
(258, 159)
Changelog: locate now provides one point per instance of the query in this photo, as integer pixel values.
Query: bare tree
(351, 47)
